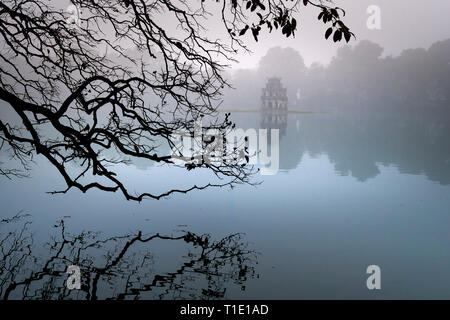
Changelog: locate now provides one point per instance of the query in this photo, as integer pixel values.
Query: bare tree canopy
(76, 92)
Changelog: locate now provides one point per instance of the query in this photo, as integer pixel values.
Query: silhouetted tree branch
(76, 92)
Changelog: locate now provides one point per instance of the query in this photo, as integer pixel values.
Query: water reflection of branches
(119, 267)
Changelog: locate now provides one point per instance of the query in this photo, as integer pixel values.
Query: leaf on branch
(294, 23)
(255, 33)
(320, 15)
(243, 31)
(328, 32)
(347, 36)
(337, 36)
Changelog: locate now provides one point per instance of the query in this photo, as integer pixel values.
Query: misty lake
(353, 189)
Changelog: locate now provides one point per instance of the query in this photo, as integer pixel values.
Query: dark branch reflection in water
(118, 267)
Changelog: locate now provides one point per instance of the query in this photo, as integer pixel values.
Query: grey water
(353, 189)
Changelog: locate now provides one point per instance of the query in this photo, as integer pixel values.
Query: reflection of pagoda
(274, 105)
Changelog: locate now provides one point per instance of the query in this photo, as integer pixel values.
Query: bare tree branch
(79, 94)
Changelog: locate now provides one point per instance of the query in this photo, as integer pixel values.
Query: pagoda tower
(274, 106)
(274, 96)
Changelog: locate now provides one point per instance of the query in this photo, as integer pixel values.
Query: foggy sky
(405, 24)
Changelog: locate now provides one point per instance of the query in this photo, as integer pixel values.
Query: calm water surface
(353, 189)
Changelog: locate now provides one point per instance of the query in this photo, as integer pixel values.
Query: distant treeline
(357, 76)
